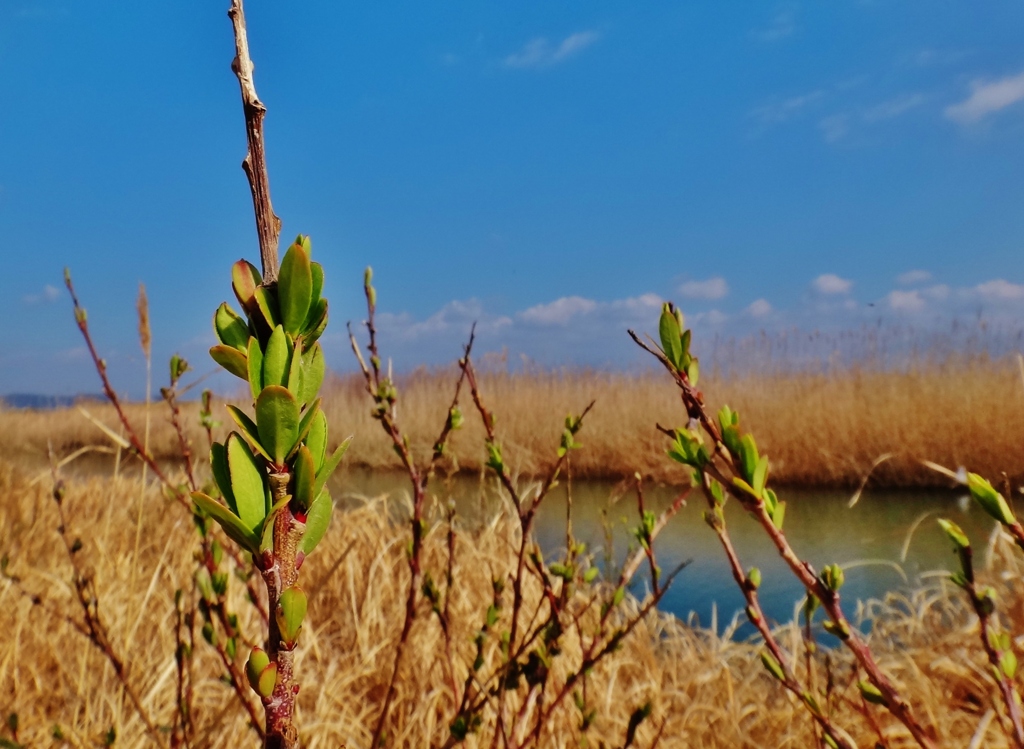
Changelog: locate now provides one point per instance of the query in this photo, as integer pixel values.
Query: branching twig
(755, 504)
(92, 624)
(385, 396)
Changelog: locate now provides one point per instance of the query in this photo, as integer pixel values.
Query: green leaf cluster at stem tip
(275, 348)
(675, 342)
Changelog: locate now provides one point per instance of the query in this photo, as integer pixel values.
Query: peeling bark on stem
(268, 225)
(280, 574)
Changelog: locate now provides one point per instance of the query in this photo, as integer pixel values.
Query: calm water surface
(868, 540)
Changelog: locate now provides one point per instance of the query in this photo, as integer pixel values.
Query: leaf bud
(291, 610)
(990, 500)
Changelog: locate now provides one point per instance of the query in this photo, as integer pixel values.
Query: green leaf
(618, 596)
(313, 369)
(1008, 664)
(266, 681)
(760, 475)
(277, 359)
(244, 280)
(316, 439)
(219, 466)
(671, 335)
(295, 371)
(772, 665)
(305, 425)
(693, 371)
(249, 430)
(871, 693)
(247, 482)
(254, 668)
(255, 371)
(779, 514)
(748, 456)
(317, 273)
(318, 321)
(277, 419)
(266, 307)
(295, 288)
(233, 360)
(317, 521)
(304, 476)
(231, 329)
(990, 500)
(955, 533)
(232, 525)
(328, 468)
(291, 611)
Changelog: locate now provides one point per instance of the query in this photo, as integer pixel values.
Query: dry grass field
(818, 429)
(705, 691)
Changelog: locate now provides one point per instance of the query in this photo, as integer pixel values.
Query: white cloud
(906, 301)
(457, 316)
(887, 110)
(834, 127)
(829, 284)
(999, 290)
(559, 311)
(987, 97)
(712, 288)
(759, 308)
(48, 295)
(541, 53)
(786, 109)
(913, 277)
(781, 27)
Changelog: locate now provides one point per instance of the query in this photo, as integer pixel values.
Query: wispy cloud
(784, 110)
(712, 288)
(782, 26)
(835, 127)
(558, 312)
(542, 53)
(48, 295)
(913, 277)
(987, 98)
(894, 107)
(829, 284)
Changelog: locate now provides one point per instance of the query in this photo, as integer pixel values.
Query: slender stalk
(385, 396)
(694, 405)
(268, 225)
(983, 606)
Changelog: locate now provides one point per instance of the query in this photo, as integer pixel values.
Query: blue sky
(553, 170)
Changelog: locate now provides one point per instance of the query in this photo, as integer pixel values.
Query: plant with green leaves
(272, 470)
(724, 462)
(996, 642)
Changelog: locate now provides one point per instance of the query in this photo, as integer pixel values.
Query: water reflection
(873, 540)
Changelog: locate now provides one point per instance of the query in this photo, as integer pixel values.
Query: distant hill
(41, 402)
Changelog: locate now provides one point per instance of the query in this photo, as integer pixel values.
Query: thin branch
(268, 225)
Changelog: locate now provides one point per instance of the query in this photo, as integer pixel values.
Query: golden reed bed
(705, 691)
(818, 429)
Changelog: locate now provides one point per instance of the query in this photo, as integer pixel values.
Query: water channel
(888, 541)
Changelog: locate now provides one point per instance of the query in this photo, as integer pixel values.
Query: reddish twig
(694, 405)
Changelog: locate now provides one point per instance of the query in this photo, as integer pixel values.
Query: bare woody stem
(268, 225)
(280, 572)
(985, 615)
(694, 404)
(756, 616)
(384, 394)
